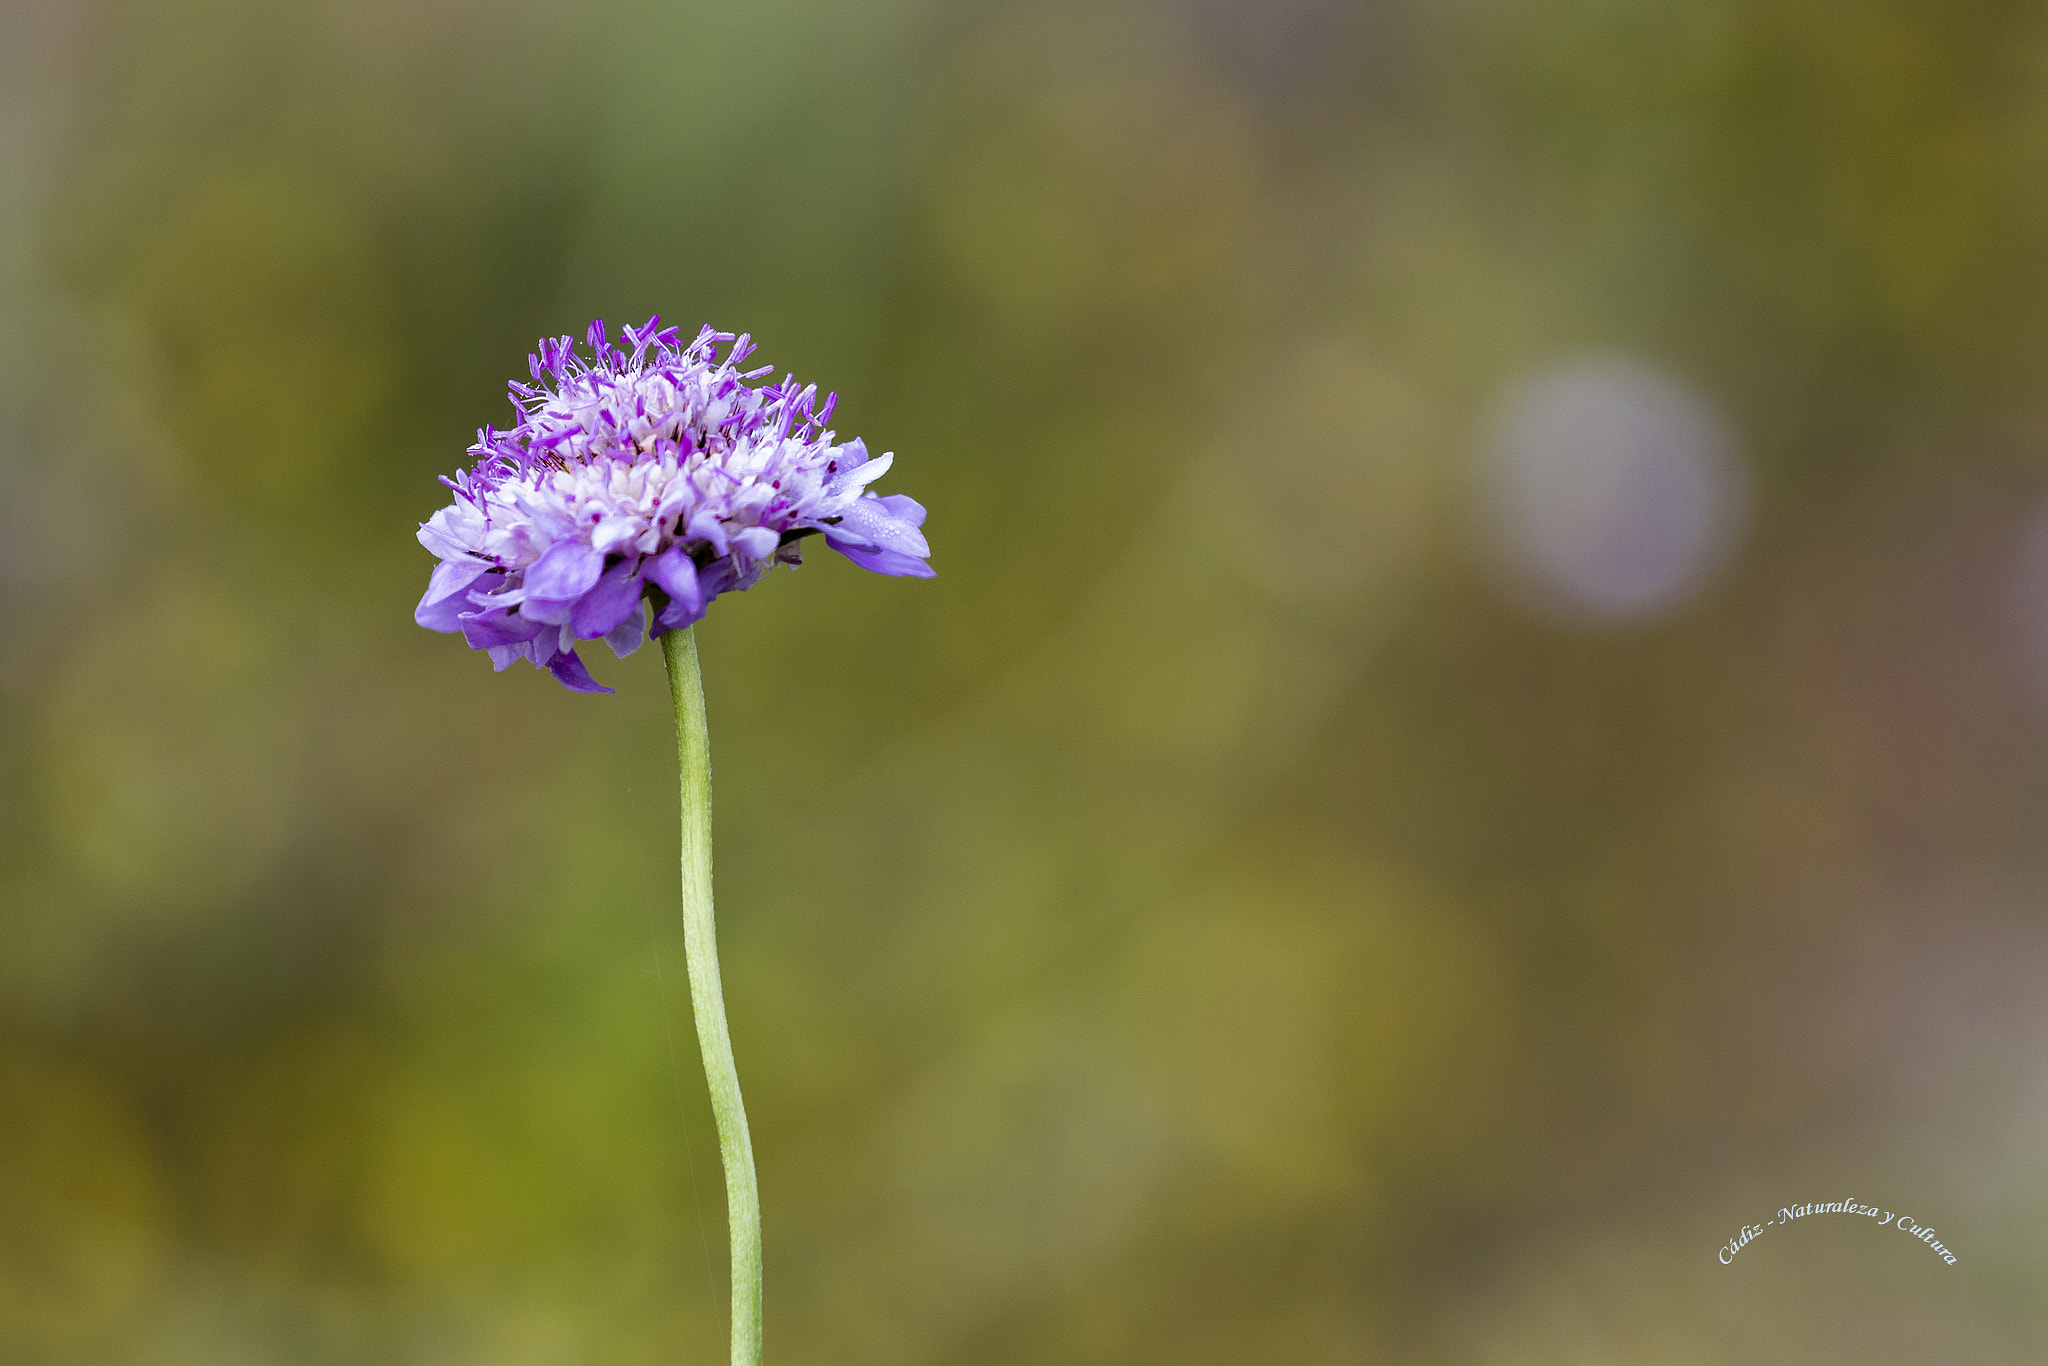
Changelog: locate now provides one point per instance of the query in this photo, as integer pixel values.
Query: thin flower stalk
(707, 999)
(640, 483)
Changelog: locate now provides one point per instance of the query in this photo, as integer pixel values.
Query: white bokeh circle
(1609, 490)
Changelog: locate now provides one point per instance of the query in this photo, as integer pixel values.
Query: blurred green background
(1481, 724)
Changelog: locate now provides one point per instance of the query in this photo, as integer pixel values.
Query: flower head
(652, 472)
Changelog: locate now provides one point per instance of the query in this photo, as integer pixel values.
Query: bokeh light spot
(1609, 490)
(2030, 574)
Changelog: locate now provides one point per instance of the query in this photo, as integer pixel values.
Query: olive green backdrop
(1222, 918)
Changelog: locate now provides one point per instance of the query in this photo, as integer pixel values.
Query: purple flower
(657, 473)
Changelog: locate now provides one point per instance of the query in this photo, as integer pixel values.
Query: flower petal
(452, 576)
(886, 561)
(445, 600)
(553, 611)
(717, 577)
(614, 534)
(568, 570)
(453, 531)
(568, 668)
(608, 604)
(627, 635)
(902, 507)
(863, 475)
(869, 521)
(675, 574)
(500, 627)
(756, 542)
(676, 616)
(705, 526)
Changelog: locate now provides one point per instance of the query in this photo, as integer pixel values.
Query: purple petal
(567, 667)
(705, 526)
(675, 574)
(870, 522)
(550, 524)
(717, 577)
(445, 599)
(676, 616)
(756, 542)
(553, 611)
(902, 507)
(452, 576)
(441, 616)
(608, 604)
(885, 561)
(484, 630)
(627, 635)
(568, 570)
(614, 534)
(503, 655)
(720, 576)
(453, 531)
(861, 475)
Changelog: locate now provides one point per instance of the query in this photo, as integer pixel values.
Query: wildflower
(651, 473)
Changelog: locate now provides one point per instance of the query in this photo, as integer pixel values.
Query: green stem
(700, 950)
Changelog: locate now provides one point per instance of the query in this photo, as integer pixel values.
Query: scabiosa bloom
(657, 472)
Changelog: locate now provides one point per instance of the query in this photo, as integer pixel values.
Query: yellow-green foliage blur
(1250, 907)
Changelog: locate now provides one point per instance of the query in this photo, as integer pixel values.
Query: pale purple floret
(654, 473)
